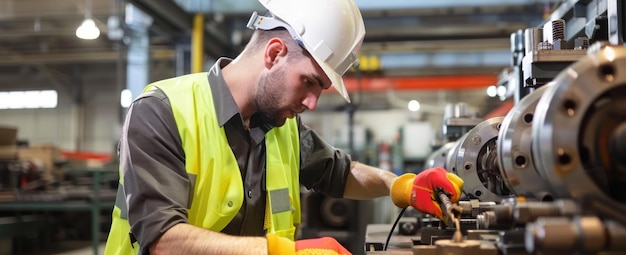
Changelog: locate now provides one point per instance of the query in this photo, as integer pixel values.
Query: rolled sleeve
(156, 185)
(324, 168)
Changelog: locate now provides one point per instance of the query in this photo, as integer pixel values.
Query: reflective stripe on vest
(283, 201)
(218, 189)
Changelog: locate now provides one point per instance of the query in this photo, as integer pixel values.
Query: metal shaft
(445, 201)
(447, 210)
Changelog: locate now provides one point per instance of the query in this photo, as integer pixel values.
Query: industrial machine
(550, 176)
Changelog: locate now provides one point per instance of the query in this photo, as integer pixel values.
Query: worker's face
(289, 88)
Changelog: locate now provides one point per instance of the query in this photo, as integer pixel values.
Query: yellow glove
(277, 245)
(420, 191)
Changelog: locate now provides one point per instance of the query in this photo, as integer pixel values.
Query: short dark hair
(260, 38)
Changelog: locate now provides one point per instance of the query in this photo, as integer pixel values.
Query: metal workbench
(95, 204)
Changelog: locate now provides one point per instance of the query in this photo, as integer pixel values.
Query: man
(212, 163)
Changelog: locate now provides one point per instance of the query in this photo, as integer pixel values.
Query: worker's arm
(323, 168)
(366, 182)
(188, 239)
(156, 185)
(331, 171)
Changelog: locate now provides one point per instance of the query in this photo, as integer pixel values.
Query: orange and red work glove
(420, 191)
(277, 245)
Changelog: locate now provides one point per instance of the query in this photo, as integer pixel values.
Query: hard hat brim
(335, 79)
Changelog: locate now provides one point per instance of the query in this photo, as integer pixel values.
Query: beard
(269, 93)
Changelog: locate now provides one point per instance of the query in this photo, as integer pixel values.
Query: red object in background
(384, 156)
(418, 82)
(102, 157)
(501, 110)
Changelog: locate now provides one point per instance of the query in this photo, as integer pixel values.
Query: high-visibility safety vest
(218, 189)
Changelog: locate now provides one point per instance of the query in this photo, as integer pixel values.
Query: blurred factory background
(430, 73)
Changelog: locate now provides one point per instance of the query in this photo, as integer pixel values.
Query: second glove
(420, 191)
(316, 246)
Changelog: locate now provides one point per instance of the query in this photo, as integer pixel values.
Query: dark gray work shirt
(157, 188)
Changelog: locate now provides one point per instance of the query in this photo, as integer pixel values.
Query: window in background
(126, 98)
(31, 99)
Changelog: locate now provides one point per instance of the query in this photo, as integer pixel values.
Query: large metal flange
(476, 163)
(515, 151)
(451, 157)
(579, 129)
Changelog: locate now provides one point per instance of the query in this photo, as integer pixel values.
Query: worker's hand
(420, 191)
(277, 245)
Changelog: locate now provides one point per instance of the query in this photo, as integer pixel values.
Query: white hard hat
(330, 30)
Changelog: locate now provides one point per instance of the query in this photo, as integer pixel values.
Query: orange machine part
(419, 82)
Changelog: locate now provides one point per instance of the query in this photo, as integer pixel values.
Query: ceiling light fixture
(414, 105)
(88, 29)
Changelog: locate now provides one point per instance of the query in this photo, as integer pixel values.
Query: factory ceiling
(42, 32)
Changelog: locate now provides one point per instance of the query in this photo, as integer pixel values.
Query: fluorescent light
(88, 30)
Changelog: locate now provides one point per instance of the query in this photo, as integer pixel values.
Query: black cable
(393, 227)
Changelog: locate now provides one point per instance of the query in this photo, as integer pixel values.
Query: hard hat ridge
(330, 30)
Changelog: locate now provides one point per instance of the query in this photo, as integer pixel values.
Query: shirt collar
(225, 106)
